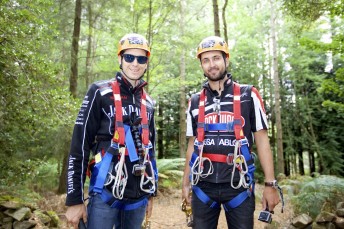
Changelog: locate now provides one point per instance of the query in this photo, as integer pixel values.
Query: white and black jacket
(94, 129)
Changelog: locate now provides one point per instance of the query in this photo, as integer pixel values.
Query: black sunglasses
(130, 58)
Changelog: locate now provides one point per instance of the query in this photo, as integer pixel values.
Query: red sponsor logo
(223, 117)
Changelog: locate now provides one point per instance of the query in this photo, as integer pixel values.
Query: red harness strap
(144, 121)
(119, 135)
(237, 112)
(201, 111)
(216, 157)
(237, 121)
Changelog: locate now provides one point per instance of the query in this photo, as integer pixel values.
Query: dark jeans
(206, 217)
(101, 215)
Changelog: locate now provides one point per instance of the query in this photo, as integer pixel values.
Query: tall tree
(216, 18)
(182, 109)
(225, 34)
(149, 38)
(73, 83)
(277, 109)
(73, 80)
(90, 35)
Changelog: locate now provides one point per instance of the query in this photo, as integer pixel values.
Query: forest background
(52, 50)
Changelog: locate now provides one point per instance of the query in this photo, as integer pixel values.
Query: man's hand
(186, 194)
(149, 208)
(270, 198)
(75, 213)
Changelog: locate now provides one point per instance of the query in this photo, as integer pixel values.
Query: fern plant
(318, 194)
(170, 172)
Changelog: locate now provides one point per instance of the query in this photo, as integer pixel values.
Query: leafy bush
(170, 172)
(38, 175)
(16, 172)
(321, 193)
(45, 177)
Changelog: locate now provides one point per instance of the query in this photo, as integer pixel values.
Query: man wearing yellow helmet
(114, 144)
(223, 121)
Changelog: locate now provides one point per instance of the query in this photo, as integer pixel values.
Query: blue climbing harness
(122, 145)
(243, 160)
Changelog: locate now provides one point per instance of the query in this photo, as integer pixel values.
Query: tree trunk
(224, 21)
(311, 162)
(182, 100)
(88, 72)
(216, 18)
(63, 175)
(73, 80)
(160, 130)
(149, 39)
(300, 159)
(280, 159)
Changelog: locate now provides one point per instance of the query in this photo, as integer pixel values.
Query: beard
(216, 77)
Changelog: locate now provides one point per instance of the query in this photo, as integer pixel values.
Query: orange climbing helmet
(212, 43)
(133, 41)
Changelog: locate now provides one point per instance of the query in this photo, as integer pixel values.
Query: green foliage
(16, 172)
(33, 103)
(34, 174)
(310, 11)
(37, 112)
(318, 193)
(170, 172)
(332, 88)
(45, 177)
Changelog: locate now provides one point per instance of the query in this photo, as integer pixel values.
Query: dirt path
(168, 215)
(167, 212)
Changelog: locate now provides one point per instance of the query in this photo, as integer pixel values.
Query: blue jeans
(101, 215)
(205, 217)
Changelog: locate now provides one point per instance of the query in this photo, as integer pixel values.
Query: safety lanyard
(236, 109)
(119, 135)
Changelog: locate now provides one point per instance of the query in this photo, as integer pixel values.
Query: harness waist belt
(224, 159)
(216, 157)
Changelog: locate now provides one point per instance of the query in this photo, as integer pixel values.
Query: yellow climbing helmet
(212, 43)
(133, 41)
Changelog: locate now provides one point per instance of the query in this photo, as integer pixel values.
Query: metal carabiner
(121, 177)
(188, 213)
(145, 175)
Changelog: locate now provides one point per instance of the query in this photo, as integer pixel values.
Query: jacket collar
(125, 84)
(227, 84)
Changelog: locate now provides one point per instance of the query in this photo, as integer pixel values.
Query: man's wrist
(272, 184)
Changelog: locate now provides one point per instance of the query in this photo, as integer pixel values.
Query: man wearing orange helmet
(223, 122)
(114, 143)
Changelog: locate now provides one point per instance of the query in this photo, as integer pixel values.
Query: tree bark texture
(224, 21)
(73, 80)
(149, 39)
(88, 72)
(160, 130)
(216, 18)
(182, 109)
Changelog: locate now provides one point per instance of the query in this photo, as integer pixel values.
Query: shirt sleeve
(85, 130)
(259, 119)
(191, 125)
